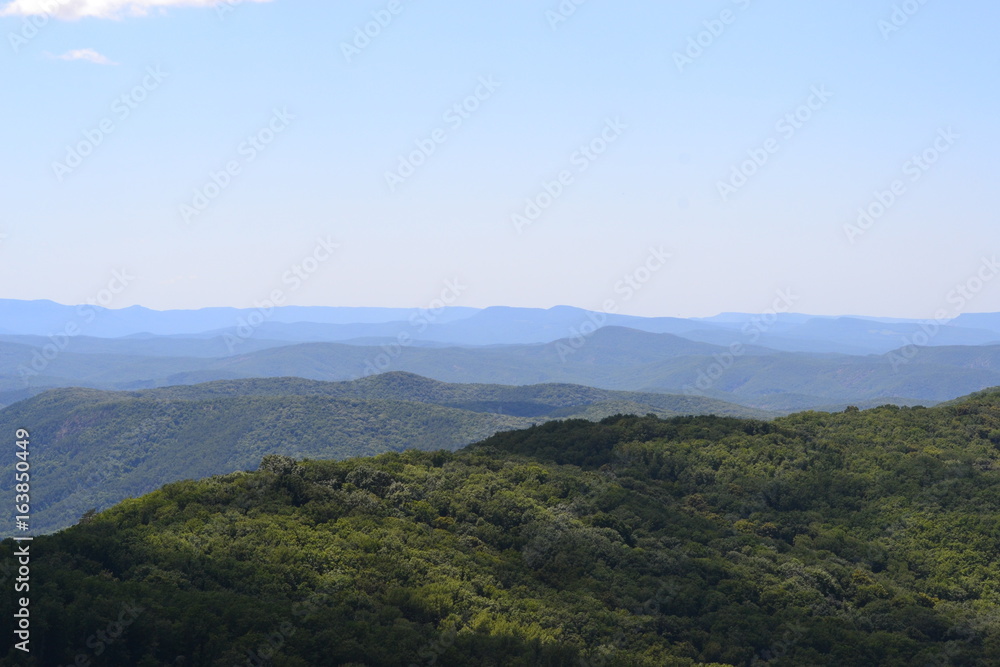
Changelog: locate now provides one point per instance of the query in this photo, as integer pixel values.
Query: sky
(715, 156)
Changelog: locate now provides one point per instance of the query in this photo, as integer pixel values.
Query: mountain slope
(611, 358)
(102, 447)
(757, 377)
(851, 539)
(512, 400)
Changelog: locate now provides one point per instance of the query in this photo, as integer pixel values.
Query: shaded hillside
(852, 539)
(102, 447)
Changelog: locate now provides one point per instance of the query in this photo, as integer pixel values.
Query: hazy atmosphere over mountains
(777, 361)
(183, 394)
(558, 333)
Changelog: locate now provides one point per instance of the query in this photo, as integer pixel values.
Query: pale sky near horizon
(161, 94)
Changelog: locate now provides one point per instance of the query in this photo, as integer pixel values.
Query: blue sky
(329, 126)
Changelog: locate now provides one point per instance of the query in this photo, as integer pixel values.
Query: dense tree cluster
(857, 538)
(103, 447)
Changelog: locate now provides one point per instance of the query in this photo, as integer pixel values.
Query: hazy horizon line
(723, 313)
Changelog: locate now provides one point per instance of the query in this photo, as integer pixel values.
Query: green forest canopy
(856, 538)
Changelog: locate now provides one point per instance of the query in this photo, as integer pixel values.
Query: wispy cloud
(90, 55)
(103, 9)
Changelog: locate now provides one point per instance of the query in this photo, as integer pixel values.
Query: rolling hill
(610, 358)
(838, 540)
(102, 447)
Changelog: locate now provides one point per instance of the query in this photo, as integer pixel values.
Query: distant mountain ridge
(794, 332)
(772, 361)
(611, 358)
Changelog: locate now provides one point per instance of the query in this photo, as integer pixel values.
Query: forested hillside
(102, 447)
(857, 538)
